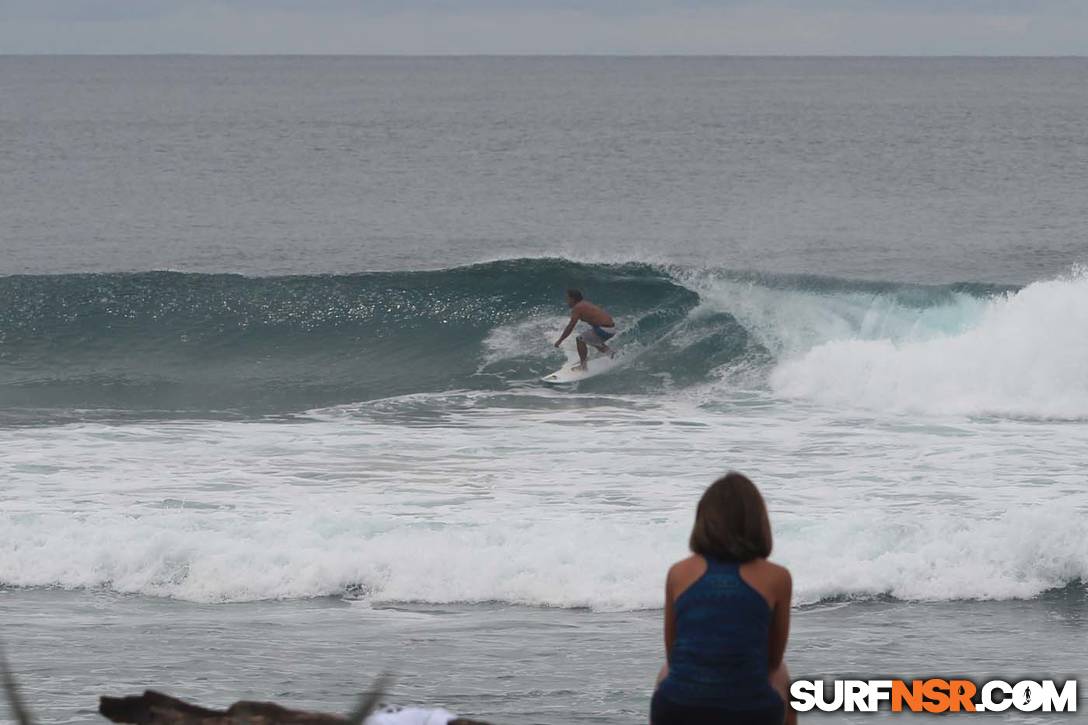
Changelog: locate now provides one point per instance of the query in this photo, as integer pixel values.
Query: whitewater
(914, 443)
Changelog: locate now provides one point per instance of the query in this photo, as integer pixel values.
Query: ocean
(271, 333)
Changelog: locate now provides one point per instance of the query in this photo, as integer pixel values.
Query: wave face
(202, 344)
(199, 344)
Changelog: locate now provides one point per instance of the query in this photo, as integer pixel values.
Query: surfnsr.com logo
(933, 695)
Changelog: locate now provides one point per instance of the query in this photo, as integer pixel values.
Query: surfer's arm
(569, 329)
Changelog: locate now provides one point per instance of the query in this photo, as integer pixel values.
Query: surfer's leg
(583, 353)
(600, 340)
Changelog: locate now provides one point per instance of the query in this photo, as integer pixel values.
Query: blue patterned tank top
(719, 657)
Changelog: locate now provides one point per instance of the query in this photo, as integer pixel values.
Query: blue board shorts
(597, 335)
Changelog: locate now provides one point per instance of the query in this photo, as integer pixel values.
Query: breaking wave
(197, 344)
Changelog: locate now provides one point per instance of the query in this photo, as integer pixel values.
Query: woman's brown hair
(731, 521)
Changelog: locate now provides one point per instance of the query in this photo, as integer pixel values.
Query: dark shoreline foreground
(500, 663)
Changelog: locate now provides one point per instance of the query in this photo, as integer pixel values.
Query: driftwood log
(155, 708)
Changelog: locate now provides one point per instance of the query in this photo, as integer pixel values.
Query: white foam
(945, 555)
(583, 505)
(1023, 354)
(567, 562)
(532, 337)
(790, 321)
(572, 561)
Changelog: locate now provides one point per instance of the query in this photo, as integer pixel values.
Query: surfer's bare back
(601, 327)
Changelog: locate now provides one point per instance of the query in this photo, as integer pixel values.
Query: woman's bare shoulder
(684, 572)
(772, 572)
(689, 563)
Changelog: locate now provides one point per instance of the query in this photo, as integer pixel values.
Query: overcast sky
(790, 27)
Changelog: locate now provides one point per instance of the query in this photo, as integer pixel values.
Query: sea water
(271, 332)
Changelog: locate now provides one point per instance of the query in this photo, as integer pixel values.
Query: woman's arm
(670, 628)
(670, 616)
(780, 620)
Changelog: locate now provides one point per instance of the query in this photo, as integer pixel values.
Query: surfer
(602, 327)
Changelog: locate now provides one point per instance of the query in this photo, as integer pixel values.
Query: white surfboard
(597, 364)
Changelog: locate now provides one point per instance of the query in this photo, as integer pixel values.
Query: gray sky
(791, 27)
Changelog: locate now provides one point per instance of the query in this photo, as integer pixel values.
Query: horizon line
(191, 54)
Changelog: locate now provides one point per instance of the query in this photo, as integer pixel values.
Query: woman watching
(727, 617)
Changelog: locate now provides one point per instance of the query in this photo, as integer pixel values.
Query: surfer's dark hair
(731, 521)
(575, 294)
